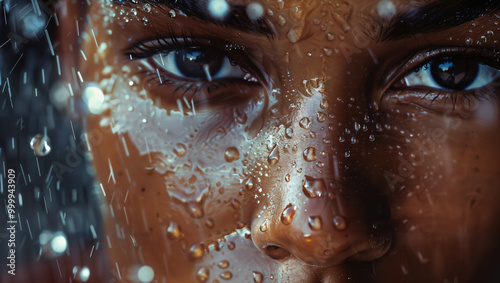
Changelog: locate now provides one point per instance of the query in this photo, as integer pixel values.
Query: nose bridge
(317, 214)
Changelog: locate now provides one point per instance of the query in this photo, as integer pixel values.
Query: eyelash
(422, 58)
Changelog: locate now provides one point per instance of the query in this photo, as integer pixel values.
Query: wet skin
(316, 161)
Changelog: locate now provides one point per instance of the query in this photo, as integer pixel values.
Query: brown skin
(416, 182)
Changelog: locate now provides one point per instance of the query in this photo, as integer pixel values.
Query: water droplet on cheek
(173, 231)
(180, 149)
(304, 123)
(288, 214)
(232, 154)
(196, 251)
(203, 274)
(314, 223)
(257, 277)
(339, 222)
(274, 156)
(226, 275)
(310, 154)
(40, 144)
(313, 188)
(223, 264)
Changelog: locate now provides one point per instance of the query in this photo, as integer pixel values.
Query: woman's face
(294, 141)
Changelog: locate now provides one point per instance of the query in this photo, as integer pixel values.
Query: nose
(323, 227)
(325, 207)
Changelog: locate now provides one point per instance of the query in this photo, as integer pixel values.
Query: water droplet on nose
(339, 222)
(40, 144)
(288, 214)
(321, 117)
(257, 277)
(226, 275)
(223, 264)
(231, 245)
(173, 231)
(196, 251)
(315, 223)
(265, 226)
(304, 123)
(194, 209)
(231, 154)
(310, 154)
(203, 274)
(313, 188)
(289, 132)
(274, 156)
(287, 177)
(180, 149)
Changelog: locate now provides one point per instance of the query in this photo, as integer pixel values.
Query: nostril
(276, 252)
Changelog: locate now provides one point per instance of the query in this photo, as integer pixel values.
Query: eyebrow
(236, 17)
(437, 16)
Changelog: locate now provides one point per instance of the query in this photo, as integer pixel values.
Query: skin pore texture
(321, 152)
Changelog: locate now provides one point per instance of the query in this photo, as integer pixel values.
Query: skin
(412, 184)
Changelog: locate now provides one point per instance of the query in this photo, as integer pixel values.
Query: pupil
(454, 74)
(193, 62)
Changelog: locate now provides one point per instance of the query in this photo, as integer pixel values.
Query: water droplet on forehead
(313, 188)
(288, 214)
(40, 144)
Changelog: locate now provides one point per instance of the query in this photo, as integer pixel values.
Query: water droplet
(315, 223)
(145, 274)
(40, 144)
(172, 13)
(223, 264)
(240, 117)
(249, 184)
(274, 156)
(321, 117)
(194, 209)
(468, 41)
(146, 8)
(232, 154)
(231, 245)
(371, 138)
(310, 154)
(288, 214)
(209, 223)
(257, 277)
(304, 123)
(294, 34)
(196, 251)
(133, 11)
(313, 188)
(235, 203)
(281, 20)
(289, 132)
(347, 153)
(203, 274)
(173, 231)
(339, 222)
(287, 177)
(330, 36)
(265, 226)
(180, 149)
(226, 275)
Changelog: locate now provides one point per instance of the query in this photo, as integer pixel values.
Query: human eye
(206, 73)
(447, 80)
(451, 74)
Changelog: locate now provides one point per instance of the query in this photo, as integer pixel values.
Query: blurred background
(59, 226)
